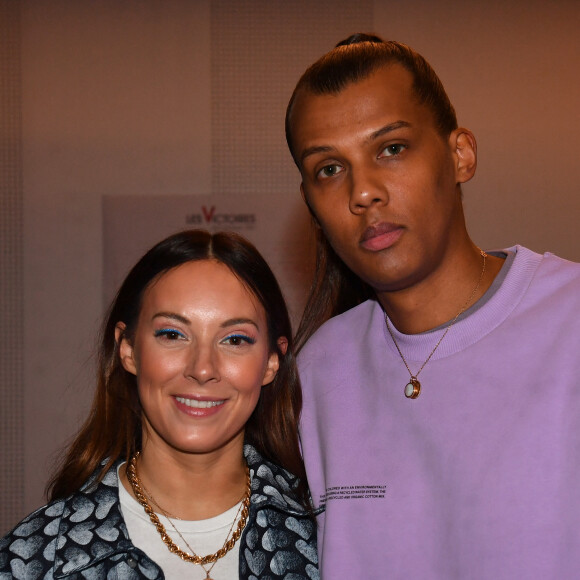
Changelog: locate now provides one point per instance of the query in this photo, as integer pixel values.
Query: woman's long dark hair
(113, 428)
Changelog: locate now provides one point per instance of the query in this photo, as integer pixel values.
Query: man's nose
(367, 188)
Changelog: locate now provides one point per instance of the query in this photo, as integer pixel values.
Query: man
(442, 393)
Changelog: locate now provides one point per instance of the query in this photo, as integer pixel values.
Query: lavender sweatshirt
(478, 478)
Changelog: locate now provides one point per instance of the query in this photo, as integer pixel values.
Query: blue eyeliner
(166, 331)
(244, 337)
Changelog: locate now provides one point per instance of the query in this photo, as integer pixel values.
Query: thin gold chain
(463, 309)
(171, 545)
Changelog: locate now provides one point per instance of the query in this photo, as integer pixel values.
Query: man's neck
(443, 295)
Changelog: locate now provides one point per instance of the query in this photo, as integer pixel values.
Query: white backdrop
(186, 98)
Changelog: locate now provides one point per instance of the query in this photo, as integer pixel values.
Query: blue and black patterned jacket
(85, 536)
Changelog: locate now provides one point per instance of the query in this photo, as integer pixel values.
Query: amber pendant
(413, 388)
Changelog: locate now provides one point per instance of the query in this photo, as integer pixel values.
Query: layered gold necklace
(413, 387)
(143, 498)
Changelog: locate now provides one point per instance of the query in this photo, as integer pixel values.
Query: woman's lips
(381, 236)
(199, 407)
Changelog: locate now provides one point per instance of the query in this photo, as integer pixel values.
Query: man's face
(380, 179)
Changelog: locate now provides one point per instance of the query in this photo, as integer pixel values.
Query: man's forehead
(388, 80)
(382, 99)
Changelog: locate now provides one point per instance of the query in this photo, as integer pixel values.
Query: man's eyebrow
(314, 150)
(388, 128)
(378, 133)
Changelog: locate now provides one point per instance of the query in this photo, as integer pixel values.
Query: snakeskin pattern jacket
(85, 536)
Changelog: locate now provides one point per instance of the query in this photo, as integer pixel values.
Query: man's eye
(393, 150)
(329, 171)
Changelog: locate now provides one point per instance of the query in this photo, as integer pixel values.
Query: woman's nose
(201, 365)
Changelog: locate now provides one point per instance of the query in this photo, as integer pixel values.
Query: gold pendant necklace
(142, 497)
(413, 387)
(171, 518)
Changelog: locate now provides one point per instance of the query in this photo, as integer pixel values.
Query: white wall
(117, 99)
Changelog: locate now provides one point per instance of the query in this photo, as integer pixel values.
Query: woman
(184, 467)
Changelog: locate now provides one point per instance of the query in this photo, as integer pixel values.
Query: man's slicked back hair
(359, 56)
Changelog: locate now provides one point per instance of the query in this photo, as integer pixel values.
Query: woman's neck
(191, 486)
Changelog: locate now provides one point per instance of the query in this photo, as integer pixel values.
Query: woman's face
(201, 355)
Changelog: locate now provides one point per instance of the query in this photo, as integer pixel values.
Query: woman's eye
(238, 340)
(329, 171)
(169, 334)
(393, 150)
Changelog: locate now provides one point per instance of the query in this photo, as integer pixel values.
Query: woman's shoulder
(34, 544)
(279, 520)
(35, 520)
(26, 545)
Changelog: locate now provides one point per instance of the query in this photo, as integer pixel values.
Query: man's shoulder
(551, 273)
(355, 320)
(555, 264)
(535, 285)
(350, 327)
(545, 260)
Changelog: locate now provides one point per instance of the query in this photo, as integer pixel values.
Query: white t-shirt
(204, 536)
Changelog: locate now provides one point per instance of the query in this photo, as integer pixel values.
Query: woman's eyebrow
(234, 321)
(172, 316)
(224, 324)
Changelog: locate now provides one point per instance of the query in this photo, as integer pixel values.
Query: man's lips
(381, 236)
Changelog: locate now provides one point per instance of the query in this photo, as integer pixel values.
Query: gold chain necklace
(170, 519)
(138, 491)
(413, 387)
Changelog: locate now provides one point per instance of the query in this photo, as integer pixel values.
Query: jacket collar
(92, 528)
(272, 486)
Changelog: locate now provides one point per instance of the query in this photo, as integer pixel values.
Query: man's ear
(282, 344)
(464, 148)
(125, 348)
